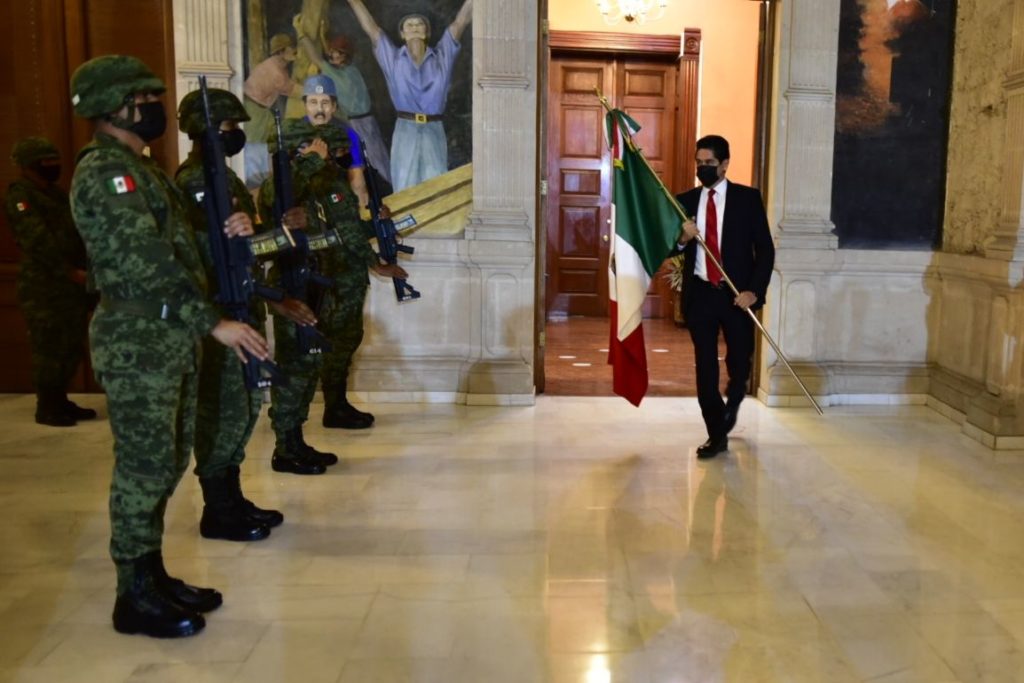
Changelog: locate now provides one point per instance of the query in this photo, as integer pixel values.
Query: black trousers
(711, 309)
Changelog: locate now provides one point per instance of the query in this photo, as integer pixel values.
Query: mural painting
(400, 75)
(892, 119)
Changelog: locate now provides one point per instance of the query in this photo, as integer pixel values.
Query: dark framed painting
(892, 121)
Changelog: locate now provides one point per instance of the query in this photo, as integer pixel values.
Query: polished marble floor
(574, 541)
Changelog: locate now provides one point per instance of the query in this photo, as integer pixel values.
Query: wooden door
(46, 42)
(579, 187)
(579, 170)
(647, 92)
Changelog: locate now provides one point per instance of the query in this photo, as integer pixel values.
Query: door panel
(578, 189)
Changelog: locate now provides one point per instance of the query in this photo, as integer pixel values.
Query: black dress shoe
(729, 417)
(712, 447)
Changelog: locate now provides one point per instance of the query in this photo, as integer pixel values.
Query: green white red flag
(646, 228)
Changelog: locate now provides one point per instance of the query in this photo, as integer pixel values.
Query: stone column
(800, 194)
(500, 235)
(207, 41)
(1007, 243)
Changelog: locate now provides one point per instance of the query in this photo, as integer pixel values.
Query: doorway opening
(654, 79)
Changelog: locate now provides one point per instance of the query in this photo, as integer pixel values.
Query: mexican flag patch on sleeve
(335, 197)
(22, 207)
(121, 184)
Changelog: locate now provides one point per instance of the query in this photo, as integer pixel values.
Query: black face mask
(153, 122)
(707, 175)
(48, 172)
(233, 141)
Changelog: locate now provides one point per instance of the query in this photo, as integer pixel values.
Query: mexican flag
(646, 227)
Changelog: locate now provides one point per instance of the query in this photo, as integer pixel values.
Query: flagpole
(707, 254)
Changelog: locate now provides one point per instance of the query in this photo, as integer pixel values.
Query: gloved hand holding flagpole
(626, 136)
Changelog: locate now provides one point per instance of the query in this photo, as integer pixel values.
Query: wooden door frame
(685, 48)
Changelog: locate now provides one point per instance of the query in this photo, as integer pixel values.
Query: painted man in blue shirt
(418, 79)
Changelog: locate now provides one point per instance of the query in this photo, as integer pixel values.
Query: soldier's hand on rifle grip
(238, 224)
(293, 309)
(385, 211)
(318, 147)
(295, 218)
(241, 337)
(390, 270)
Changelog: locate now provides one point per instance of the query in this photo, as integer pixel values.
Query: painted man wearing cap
(339, 189)
(418, 79)
(353, 96)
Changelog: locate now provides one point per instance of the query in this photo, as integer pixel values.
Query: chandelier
(637, 11)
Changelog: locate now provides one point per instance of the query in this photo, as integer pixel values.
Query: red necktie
(711, 238)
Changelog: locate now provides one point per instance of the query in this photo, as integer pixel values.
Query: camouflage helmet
(295, 132)
(28, 151)
(101, 85)
(223, 107)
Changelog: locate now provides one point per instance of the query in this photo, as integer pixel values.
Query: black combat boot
(289, 456)
(76, 411)
(50, 410)
(224, 517)
(268, 518)
(143, 608)
(191, 598)
(339, 413)
(324, 457)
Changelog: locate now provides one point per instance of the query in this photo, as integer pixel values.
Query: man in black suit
(732, 220)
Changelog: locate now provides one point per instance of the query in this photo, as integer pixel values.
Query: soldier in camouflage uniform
(145, 335)
(227, 411)
(51, 279)
(290, 402)
(339, 190)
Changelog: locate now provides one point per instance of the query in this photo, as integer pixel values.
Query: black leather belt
(417, 117)
(721, 283)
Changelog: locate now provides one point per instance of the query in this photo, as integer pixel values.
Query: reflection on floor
(574, 541)
(576, 358)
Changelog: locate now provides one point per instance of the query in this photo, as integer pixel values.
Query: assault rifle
(298, 267)
(233, 258)
(388, 246)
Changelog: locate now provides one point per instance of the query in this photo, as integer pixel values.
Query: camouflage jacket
(192, 183)
(330, 203)
(40, 220)
(143, 260)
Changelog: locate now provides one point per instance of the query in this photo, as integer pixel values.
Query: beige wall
(729, 69)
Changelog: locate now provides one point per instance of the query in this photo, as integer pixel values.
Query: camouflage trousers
(342, 320)
(290, 400)
(152, 417)
(58, 340)
(226, 413)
